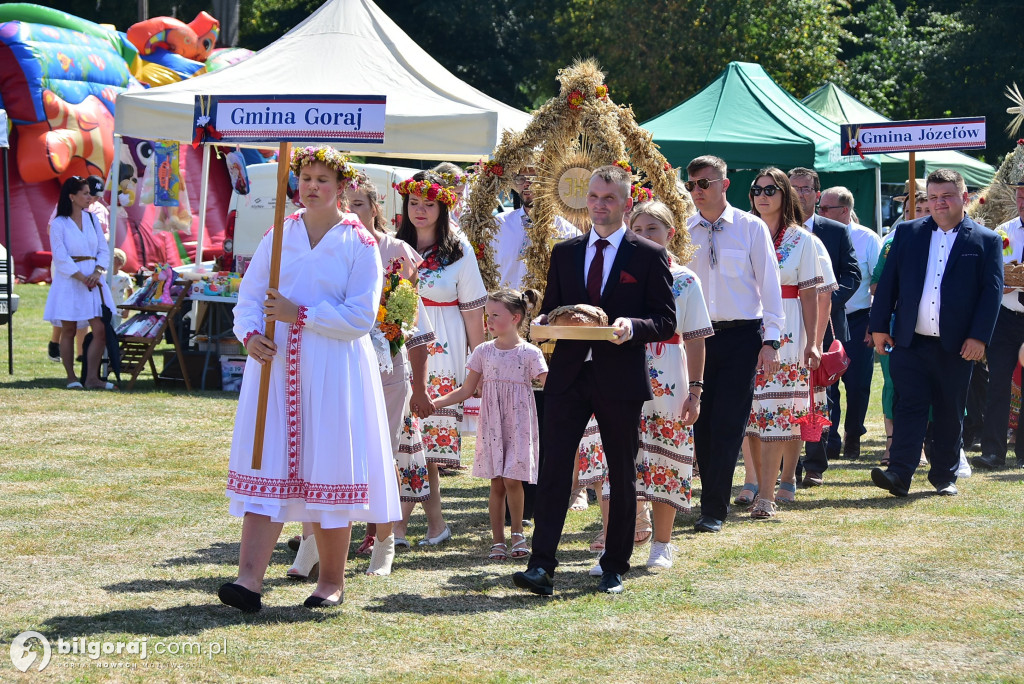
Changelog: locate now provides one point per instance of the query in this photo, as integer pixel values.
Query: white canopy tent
(346, 47)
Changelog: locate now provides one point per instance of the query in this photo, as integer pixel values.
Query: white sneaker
(597, 571)
(661, 555)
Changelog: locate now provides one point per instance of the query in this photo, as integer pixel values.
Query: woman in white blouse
(78, 291)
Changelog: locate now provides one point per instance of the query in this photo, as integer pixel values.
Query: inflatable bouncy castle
(60, 76)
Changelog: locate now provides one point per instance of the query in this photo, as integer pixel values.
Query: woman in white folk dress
(326, 455)
(453, 293)
(665, 460)
(783, 400)
(79, 290)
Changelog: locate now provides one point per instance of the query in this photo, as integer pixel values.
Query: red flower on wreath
(493, 168)
(624, 165)
(601, 92)
(668, 167)
(478, 249)
(575, 99)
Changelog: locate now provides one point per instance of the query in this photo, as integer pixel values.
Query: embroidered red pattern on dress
(245, 340)
(301, 316)
(292, 396)
(275, 488)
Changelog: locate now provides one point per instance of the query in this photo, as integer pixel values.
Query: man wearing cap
(839, 245)
(1002, 354)
(837, 204)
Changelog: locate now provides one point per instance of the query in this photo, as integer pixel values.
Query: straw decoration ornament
(612, 135)
(432, 192)
(330, 157)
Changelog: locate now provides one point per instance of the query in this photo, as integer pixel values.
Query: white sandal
(307, 560)
(382, 556)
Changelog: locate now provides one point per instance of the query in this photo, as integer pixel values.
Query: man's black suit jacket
(639, 287)
(839, 246)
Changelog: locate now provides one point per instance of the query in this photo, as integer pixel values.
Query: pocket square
(626, 278)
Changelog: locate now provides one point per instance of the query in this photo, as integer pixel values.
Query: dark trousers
(924, 375)
(530, 490)
(730, 359)
(856, 381)
(565, 419)
(1002, 359)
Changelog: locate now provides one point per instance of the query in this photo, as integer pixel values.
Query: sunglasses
(702, 183)
(768, 190)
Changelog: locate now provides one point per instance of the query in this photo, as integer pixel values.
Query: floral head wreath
(330, 157)
(452, 180)
(432, 192)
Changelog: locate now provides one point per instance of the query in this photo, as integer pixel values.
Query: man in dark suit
(839, 245)
(629, 278)
(943, 279)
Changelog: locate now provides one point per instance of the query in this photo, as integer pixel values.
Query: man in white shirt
(837, 204)
(737, 267)
(512, 237)
(941, 287)
(1002, 354)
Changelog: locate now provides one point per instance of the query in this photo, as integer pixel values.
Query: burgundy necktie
(596, 273)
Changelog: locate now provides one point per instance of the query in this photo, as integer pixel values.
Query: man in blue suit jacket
(943, 280)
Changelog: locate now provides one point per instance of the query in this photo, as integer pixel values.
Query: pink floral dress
(781, 399)
(508, 437)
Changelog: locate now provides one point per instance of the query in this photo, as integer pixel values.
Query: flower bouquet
(399, 303)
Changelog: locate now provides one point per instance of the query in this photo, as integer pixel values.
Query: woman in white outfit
(327, 453)
(79, 290)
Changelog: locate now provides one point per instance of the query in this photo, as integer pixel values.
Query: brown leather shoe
(812, 479)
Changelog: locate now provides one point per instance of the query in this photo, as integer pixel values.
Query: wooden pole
(912, 191)
(283, 162)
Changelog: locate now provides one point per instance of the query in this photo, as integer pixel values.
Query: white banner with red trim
(920, 135)
(289, 118)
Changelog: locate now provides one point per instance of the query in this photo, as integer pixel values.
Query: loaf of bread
(1013, 274)
(578, 315)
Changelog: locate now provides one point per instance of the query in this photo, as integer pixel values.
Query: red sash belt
(431, 302)
(790, 292)
(673, 340)
(659, 347)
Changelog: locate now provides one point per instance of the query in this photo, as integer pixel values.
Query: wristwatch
(774, 344)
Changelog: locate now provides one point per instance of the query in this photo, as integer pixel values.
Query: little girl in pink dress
(507, 440)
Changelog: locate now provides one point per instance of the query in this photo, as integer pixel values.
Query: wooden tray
(1013, 278)
(573, 332)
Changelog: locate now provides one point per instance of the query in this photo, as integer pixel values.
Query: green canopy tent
(745, 118)
(839, 106)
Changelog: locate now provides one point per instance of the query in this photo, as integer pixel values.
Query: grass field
(114, 527)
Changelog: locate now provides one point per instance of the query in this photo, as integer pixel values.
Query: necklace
(779, 235)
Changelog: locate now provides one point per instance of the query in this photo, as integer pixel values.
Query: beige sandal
(598, 542)
(382, 556)
(643, 530)
(579, 500)
(763, 509)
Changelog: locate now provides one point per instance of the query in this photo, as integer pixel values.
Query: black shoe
(889, 482)
(237, 596)
(988, 462)
(320, 602)
(534, 580)
(851, 447)
(948, 489)
(812, 479)
(611, 583)
(53, 351)
(707, 524)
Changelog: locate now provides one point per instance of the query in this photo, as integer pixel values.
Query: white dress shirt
(1015, 232)
(744, 283)
(610, 250)
(511, 242)
(867, 245)
(931, 299)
